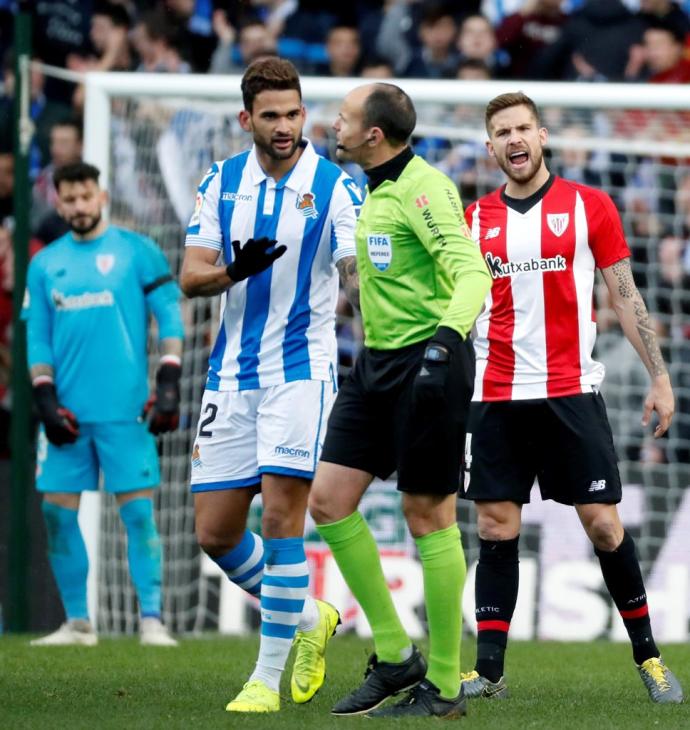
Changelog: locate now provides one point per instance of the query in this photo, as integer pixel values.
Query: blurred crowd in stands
(555, 40)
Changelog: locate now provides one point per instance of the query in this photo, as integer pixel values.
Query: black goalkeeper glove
(430, 382)
(162, 410)
(61, 425)
(253, 257)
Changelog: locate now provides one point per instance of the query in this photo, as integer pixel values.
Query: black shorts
(566, 443)
(375, 425)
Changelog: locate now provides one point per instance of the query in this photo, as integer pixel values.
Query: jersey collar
(390, 170)
(522, 205)
(303, 170)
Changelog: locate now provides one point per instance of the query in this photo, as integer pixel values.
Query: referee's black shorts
(377, 426)
(565, 443)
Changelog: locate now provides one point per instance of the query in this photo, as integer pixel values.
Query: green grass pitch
(119, 684)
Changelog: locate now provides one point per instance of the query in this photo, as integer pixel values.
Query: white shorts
(244, 434)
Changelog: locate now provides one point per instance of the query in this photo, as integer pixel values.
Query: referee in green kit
(404, 406)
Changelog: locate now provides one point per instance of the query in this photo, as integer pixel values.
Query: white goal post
(632, 140)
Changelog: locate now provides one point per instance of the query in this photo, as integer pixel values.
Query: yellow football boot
(255, 697)
(309, 669)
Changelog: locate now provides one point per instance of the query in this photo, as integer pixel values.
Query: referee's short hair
(75, 172)
(390, 109)
(268, 74)
(506, 101)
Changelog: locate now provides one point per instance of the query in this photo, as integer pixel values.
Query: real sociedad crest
(306, 204)
(380, 249)
(557, 222)
(105, 262)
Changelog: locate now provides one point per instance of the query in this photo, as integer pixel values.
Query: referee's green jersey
(418, 265)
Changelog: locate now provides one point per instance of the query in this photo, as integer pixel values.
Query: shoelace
(657, 671)
(371, 665)
(304, 663)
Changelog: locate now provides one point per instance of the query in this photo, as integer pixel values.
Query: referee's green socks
(444, 570)
(357, 555)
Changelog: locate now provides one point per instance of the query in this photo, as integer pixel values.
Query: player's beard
(82, 230)
(273, 153)
(526, 174)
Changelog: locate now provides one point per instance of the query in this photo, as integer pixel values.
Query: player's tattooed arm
(349, 279)
(633, 315)
(634, 318)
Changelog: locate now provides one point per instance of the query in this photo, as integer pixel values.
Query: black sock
(495, 590)
(623, 578)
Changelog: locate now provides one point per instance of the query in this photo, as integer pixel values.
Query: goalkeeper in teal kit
(88, 300)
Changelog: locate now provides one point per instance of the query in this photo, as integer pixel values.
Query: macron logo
(597, 485)
(289, 451)
(237, 197)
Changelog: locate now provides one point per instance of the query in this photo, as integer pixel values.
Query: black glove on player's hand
(61, 425)
(253, 257)
(162, 410)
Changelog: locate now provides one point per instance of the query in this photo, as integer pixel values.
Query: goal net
(155, 136)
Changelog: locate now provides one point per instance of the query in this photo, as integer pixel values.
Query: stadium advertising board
(562, 596)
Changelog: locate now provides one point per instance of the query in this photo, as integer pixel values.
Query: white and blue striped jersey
(277, 326)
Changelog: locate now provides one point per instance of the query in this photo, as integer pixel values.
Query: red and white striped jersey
(536, 334)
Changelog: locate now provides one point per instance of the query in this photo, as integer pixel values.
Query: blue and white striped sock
(244, 564)
(283, 590)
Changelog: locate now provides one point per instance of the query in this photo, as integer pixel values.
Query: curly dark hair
(268, 74)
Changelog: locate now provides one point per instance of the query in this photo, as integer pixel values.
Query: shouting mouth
(518, 159)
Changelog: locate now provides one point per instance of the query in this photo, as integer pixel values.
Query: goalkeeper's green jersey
(418, 266)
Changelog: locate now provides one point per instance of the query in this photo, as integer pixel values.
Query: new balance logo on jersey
(492, 233)
(289, 451)
(499, 269)
(237, 197)
(597, 485)
(87, 300)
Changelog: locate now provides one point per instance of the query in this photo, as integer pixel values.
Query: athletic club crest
(306, 204)
(105, 262)
(557, 223)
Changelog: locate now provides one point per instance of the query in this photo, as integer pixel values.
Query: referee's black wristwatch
(436, 352)
(441, 346)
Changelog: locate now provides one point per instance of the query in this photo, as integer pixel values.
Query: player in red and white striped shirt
(537, 411)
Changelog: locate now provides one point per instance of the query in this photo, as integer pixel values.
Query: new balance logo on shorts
(597, 485)
(289, 451)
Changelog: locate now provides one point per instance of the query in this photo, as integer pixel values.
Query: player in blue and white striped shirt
(271, 230)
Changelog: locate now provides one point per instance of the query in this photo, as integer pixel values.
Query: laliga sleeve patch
(196, 215)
